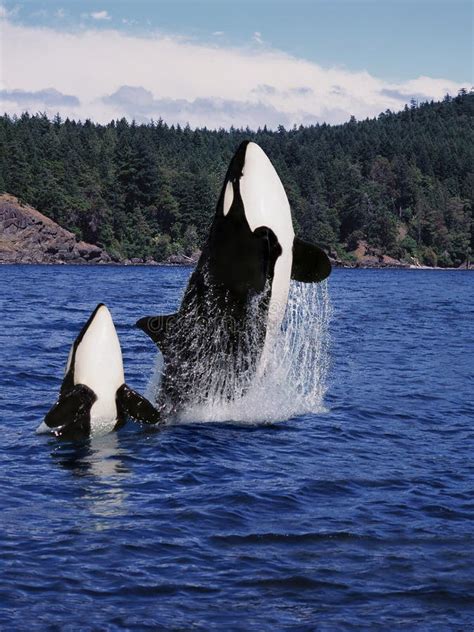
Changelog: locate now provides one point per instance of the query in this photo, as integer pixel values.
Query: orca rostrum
(222, 336)
(94, 397)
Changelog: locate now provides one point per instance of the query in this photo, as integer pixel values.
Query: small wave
(290, 538)
(294, 582)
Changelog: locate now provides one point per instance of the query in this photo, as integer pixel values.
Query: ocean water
(357, 516)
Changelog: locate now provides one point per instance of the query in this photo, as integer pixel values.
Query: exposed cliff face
(28, 236)
(368, 257)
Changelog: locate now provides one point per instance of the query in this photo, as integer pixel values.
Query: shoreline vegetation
(163, 264)
(395, 191)
(27, 237)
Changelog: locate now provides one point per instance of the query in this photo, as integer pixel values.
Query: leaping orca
(236, 297)
(94, 397)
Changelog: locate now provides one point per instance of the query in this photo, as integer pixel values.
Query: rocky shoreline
(29, 237)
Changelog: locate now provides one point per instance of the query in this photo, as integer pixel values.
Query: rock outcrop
(184, 260)
(369, 257)
(28, 236)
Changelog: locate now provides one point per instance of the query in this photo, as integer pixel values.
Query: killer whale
(94, 397)
(236, 298)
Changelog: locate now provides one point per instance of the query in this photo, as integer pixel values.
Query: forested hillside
(403, 182)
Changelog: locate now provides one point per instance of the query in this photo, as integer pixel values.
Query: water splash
(295, 379)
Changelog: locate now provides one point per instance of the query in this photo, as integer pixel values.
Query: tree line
(403, 182)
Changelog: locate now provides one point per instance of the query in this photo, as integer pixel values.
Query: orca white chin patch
(98, 365)
(263, 196)
(266, 204)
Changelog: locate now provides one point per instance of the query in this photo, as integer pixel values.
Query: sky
(228, 62)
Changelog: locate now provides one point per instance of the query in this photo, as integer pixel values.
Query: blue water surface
(360, 518)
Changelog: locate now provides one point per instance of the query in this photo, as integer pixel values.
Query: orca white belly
(98, 365)
(266, 204)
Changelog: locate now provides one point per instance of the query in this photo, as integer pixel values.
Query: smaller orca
(94, 397)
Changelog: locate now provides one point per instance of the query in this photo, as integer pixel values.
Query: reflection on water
(97, 461)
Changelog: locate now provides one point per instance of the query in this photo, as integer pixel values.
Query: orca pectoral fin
(70, 415)
(310, 263)
(157, 326)
(76, 431)
(136, 406)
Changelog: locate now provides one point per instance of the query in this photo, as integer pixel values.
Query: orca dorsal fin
(157, 327)
(310, 263)
(136, 406)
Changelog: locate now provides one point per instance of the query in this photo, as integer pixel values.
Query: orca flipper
(136, 406)
(156, 326)
(70, 415)
(310, 263)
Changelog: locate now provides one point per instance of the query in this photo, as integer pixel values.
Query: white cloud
(257, 37)
(100, 15)
(138, 103)
(113, 74)
(47, 97)
(60, 13)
